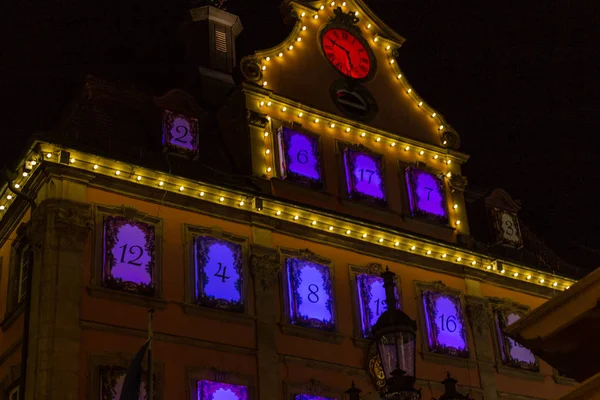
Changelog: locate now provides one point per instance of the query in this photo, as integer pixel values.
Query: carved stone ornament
(308, 255)
(219, 375)
(340, 17)
(450, 139)
(374, 269)
(375, 368)
(479, 313)
(129, 212)
(257, 119)
(250, 67)
(315, 387)
(63, 219)
(265, 266)
(458, 182)
(438, 286)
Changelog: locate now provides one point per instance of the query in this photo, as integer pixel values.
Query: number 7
(428, 193)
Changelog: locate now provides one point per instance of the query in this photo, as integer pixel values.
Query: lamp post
(395, 334)
(450, 392)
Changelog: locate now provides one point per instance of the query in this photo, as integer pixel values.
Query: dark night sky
(519, 80)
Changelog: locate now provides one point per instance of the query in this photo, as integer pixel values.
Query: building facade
(255, 217)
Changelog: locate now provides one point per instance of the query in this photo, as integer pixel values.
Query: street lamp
(450, 392)
(395, 334)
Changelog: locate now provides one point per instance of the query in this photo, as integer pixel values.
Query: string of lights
(277, 209)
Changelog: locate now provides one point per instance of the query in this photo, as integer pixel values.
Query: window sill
(125, 297)
(563, 380)
(314, 334)
(11, 316)
(520, 373)
(449, 360)
(218, 314)
(362, 343)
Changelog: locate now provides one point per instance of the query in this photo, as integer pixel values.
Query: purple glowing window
(426, 195)
(208, 390)
(513, 353)
(311, 397)
(219, 273)
(111, 383)
(364, 175)
(310, 294)
(180, 132)
(128, 255)
(372, 304)
(299, 157)
(446, 330)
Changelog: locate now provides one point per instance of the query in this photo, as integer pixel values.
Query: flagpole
(150, 394)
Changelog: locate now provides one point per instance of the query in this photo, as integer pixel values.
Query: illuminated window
(311, 397)
(180, 133)
(426, 195)
(513, 353)
(209, 390)
(364, 175)
(446, 331)
(129, 255)
(219, 273)
(299, 158)
(371, 296)
(111, 383)
(310, 294)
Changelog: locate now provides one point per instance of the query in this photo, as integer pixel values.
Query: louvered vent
(220, 41)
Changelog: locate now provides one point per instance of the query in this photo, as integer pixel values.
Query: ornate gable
(340, 59)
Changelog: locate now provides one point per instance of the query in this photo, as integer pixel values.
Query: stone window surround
(371, 269)
(119, 359)
(312, 387)
(195, 374)
(189, 305)
(14, 305)
(438, 286)
(95, 288)
(300, 331)
(506, 305)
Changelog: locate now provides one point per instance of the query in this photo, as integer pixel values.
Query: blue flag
(133, 376)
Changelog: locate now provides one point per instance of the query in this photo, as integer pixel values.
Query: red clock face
(346, 53)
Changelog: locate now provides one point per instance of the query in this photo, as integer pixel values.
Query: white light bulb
(181, 188)
(161, 183)
(95, 166)
(222, 199)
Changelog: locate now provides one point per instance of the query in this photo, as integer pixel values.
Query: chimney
(211, 49)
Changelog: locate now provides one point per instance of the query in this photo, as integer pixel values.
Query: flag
(133, 376)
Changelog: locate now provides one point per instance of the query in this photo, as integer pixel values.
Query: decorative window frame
(14, 304)
(119, 360)
(95, 288)
(11, 381)
(195, 374)
(408, 199)
(361, 198)
(440, 356)
(190, 306)
(296, 179)
(287, 327)
(498, 232)
(508, 306)
(374, 269)
(168, 117)
(312, 387)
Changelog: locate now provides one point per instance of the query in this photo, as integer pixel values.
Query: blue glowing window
(364, 176)
(208, 390)
(372, 304)
(219, 273)
(310, 294)
(299, 157)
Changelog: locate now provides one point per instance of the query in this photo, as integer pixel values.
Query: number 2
(183, 131)
(132, 252)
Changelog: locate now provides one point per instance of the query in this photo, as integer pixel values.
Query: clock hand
(345, 51)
